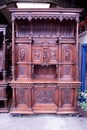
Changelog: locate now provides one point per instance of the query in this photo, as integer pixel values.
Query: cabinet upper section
(45, 23)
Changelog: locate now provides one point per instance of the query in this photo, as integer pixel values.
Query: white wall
(82, 40)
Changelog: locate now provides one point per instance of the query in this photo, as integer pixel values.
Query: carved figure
(45, 56)
(22, 55)
(67, 55)
(53, 54)
(36, 55)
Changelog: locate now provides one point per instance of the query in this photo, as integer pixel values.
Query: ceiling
(5, 15)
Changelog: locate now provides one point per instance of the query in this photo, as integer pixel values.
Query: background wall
(82, 40)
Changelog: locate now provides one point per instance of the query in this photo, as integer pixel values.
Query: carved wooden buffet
(45, 60)
(4, 89)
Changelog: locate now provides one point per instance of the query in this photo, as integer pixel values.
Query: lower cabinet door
(67, 102)
(67, 97)
(23, 97)
(45, 97)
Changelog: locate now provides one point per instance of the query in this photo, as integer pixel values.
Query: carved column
(4, 71)
(77, 68)
(30, 64)
(13, 52)
(75, 99)
(13, 96)
(59, 73)
(57, 70)
(60, 98)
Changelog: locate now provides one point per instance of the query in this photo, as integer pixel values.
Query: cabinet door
(68, 60)
(37, 55)
(45, 97)
(68, 53)
(23, 53)
(67, 97)
(23, 97)
(53, 55)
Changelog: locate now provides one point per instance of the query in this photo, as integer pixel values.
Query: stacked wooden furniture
(4, 67)
(45, 60)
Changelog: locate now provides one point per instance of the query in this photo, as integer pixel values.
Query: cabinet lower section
(5, 94)
(29, 98)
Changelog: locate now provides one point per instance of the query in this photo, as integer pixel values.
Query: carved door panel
(22, 53)
(37, 55)
(68, 53)
(68, 62)
(53, 55)
(22, 71)
(67, 96)
(23, 97)
(45, 96)
(68, 72)
(1, 60)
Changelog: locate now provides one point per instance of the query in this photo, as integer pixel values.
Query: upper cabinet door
(68, 53)
(22, 53)
(37, 55)
(53, 54)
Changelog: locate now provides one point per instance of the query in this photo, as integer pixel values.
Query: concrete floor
(42, 122)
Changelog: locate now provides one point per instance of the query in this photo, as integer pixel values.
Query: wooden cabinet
(4, 69)
(45, 60)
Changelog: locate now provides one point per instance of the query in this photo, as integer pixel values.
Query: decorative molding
(21, 85)
(69, 85)
(45, 85)
(48, 15)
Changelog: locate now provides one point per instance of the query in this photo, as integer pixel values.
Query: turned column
(13, 52)
(4, 71)
(77, 68)
(59, 72)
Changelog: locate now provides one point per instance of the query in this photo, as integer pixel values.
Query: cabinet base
(67, 111)
(21, 111)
